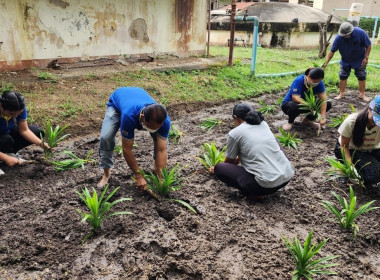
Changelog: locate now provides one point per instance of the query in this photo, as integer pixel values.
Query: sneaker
(287, 126)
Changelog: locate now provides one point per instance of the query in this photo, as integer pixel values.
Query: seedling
(46, 76)
(119, 148)
(211, 155)
(348, 213)
(288, 139)
(311, 104)
(210, 123)
(73, 162)
(266, 109)
(335, 122)
(53, 137)
(305, 266)
(175, 134)
(344, 169)
(170, 182)
(99, 207)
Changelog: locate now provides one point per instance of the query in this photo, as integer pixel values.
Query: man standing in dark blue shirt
(354, 46)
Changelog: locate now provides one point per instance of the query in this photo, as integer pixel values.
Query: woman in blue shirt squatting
(302, 84)
(131, 108)
(15, 133)
(263, 168)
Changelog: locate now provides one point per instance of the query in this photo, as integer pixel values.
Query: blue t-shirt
(352, 49)
(7, 125)
(129, 101)
(298, 88)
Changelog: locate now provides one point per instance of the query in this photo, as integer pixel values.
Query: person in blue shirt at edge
(264, 167)
(15, 133)
(131, 108)
(354, 46)
(291, 104)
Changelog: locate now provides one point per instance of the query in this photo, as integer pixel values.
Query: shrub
(288, 140)
(305, 266)
(211, 155)
(347, 215)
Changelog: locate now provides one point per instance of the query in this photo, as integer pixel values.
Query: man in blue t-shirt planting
(131, 108)
(354, 46)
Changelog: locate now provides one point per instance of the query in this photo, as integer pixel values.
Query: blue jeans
(110, 126)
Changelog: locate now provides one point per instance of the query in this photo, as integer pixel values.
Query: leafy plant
(305, 266)
(46, 76)
(311, 104)
(118, 149)
(169, 182)
(174, 134)
(347, 215)
(335, 122)
(344, 169)
(211, 155)
(288, 140)
(266, 109)
(73, 161)
(53, 137)
(210, 123)
(99, 207)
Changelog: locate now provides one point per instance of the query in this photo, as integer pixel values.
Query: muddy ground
(230, 238)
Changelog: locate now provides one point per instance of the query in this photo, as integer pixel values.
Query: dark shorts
(360, 72)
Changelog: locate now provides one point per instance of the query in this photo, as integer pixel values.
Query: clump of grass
(99, 207)
(288, 140)
(175, 134)
(211, 155)
(6, 87)
(344, 169)
(312, 105)
(73, 161)
(305, 266)
(46, 76)
(266, 109)
(53, 136)
(348, 212)
(170, 182)
(210, 123)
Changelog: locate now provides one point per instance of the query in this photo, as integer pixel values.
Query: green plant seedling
(311, 104)
(175, 134)
(211, 155)
(344, 169)
(288, 140)
(73, 161)
(118, 149)
(170, 182)
(347, 215)
(99, 207)
(335, 122)
(46, 76)
(210, 123)
(266, 109)
(305, 266)
(53, 137)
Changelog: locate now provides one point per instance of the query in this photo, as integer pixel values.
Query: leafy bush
(367, 24)
(311, 104)
(211, 155)
(99, 207)
(348, 213)
(73, 161)
(266, 109)
(210, 123)
(170, 182)
(53, 137)
(288, 140)
(305, 266)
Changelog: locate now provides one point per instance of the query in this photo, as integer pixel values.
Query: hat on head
(375, 107)
(346, 29)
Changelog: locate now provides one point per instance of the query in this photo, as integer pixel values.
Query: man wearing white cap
(354, 46)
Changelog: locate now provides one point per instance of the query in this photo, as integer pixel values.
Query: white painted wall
(48, 29)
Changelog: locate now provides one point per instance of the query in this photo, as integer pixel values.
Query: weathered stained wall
(33, 32)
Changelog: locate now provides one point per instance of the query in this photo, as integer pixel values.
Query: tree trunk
(323, 41)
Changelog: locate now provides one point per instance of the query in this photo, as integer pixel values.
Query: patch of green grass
(6, 87)
(46, 76)
(69, 109)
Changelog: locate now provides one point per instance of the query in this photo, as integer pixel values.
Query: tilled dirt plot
(230, 238)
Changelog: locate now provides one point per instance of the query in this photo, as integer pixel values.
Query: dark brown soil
(230, 238)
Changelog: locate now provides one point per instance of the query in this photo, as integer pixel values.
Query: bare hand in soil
(13, 161)
(141, 183)
(211, 170)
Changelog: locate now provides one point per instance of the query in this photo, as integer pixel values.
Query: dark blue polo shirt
(352, 49)
(7, 125)
(129, 101)
(298, 88)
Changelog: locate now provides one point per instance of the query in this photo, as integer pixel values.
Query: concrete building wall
(33, 32)
(370, 8)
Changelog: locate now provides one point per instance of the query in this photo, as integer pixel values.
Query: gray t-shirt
(259, 154)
